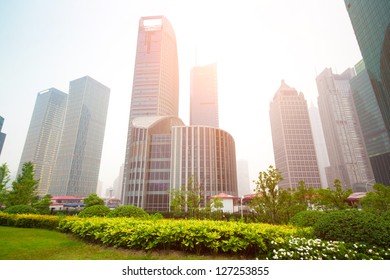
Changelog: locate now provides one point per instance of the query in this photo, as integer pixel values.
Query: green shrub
(95, 211)
(353, 226)
(306, 218)
(30, 221)
(20, 209)
(128, 211)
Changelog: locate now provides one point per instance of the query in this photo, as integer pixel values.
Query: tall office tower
(371, 23)
(2, 134)
(148, 180)
(319, 142)
(78, 162)
(204, 96)
(344, 141)
(376, 137)
(155, 84)
(206, 155)
(292, 138)
(44, 135)
(243, 181)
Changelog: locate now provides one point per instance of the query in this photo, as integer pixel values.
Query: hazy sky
(48, 43)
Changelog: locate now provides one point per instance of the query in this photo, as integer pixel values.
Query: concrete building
(371, 23)
(206, 155)
(149, 167)
(44, 136)
(77, 167)
(295, 155)
(204, 96)
(344, 140)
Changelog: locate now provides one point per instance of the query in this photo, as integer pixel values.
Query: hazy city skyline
(255, 43)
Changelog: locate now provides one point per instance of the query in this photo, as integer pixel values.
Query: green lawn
(39, 244)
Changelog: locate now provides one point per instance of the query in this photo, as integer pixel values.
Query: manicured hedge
(353, 226)
(127, 211)
(20, 209)
(95, 211)
(306, 218)
(30, 221)
(193, 236)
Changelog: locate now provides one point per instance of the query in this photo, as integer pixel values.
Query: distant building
(344, 140)
(294, 151)
(44, 136)
(375, 134)
(77, 167)
(204, 96)
(243, 180)
(319, 142)
(2, 134)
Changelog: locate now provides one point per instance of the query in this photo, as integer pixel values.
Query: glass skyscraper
(204, 96)
(347, 153)
(44, 135)
(155, 93)
(77, 167)
(292, 138)
(371, 23)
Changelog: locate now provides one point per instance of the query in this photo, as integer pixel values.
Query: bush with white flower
(316, 249)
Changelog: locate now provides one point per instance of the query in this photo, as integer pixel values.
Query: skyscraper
(78, 162)
(204, 96)
(348, 157)
(319, 142)
(371, 23)
(44, 135)
(292, 138)
(376, 137)
(155, 91)
(2, 134)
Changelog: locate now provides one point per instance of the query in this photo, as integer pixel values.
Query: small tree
(377, 201)
(93, 199)
(327, 199)
(266, 203)
(24, 189)
(43, 205)
(4, 179)
(186, 199)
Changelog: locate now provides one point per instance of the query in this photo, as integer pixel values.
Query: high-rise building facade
(2, 134)
(347, 153)
(207, 156)
(149, 167)
(319, 142)
(155, 93)
(294, 150)
(44, 135)
(371, 23)
(376, 137)
(78, 162)
(204, 96)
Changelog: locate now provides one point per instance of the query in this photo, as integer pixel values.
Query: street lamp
(242, 214)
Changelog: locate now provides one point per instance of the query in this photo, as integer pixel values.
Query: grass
(40, 244)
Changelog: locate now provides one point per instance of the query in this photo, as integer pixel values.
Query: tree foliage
(23, 191)
(378, 201)
(332, 199)
(4, 179)
(93, 199)
(186, 199)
